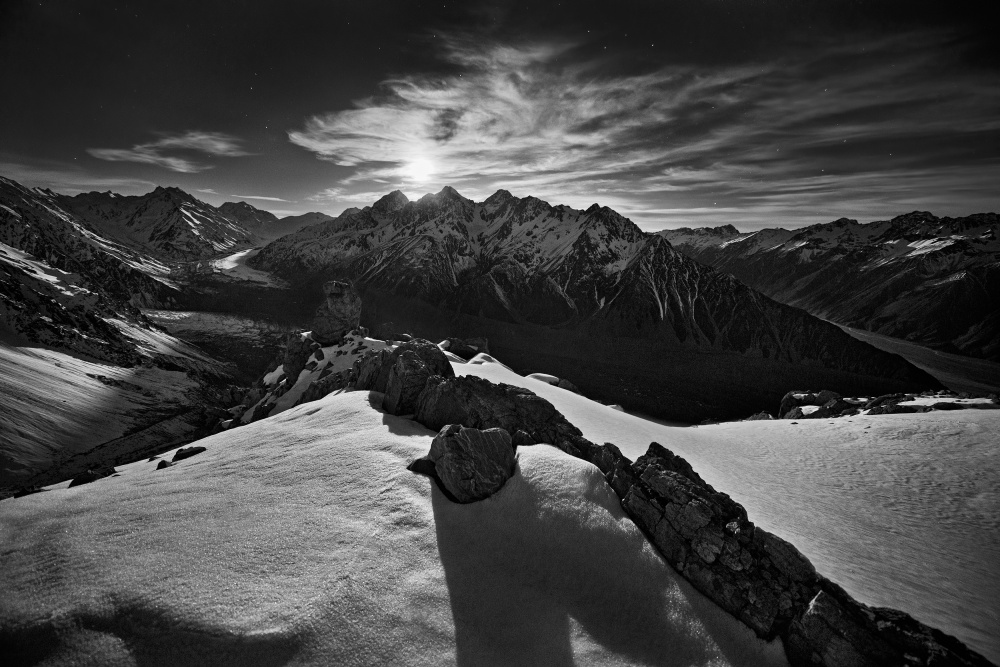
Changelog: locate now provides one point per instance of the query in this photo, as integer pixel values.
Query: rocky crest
(707, 537)
(339, 313)
(934, 281)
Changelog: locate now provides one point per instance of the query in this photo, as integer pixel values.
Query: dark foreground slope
(585, 295)
(934, 281)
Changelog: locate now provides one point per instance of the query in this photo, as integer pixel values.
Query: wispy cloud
(164, 151)
(835, 129)
(262, 197)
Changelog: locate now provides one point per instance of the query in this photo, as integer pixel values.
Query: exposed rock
(881, 400)
(567, 385)
(163, 464)
(466, 349)
(471, 464)
(428, 352)
(798, 399)
(478, 403)
(760, 416)
(186, 453)
(92, 475)
(298, 348)
(948, 405)
(521, 439)
(835, 630)
(339, 313)
(366, 368)
(406, 380)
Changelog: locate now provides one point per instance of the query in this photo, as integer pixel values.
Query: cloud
(211, 144)
(833, 127)
(260, 197)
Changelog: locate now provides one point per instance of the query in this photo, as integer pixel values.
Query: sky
(756, 113)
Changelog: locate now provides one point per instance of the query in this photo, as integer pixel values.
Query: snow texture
(303, 538)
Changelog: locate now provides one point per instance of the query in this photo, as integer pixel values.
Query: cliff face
(551, 286)
(935, 281)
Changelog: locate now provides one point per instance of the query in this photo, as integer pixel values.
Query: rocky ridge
(934, 281)
(707, 537)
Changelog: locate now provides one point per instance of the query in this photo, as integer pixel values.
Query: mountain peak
(449, 192)
(390, 203)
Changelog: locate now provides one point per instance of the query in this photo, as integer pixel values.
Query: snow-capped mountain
(167, 223)
(935, 281)
(572, 291)
(83, 368)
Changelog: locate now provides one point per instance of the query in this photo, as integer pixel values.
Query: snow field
(901, 510)
(303, 537)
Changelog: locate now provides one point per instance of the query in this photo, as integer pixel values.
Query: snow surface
(303, 538)
(56, 405)
(234, 266)
(901, 510)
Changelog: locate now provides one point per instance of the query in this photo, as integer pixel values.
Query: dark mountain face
(168, 223)
(934, 281)
(584, 294)
(64, 285)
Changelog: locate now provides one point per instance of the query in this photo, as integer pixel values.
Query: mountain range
(934, 281)
(584, 294)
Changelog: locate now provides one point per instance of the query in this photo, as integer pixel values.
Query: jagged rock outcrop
(407, 378)
(479, 403)
(299, 347)
(470, 464)
(339, 313)
(707, 537)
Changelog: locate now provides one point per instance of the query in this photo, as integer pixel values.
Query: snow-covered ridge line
(706, 536)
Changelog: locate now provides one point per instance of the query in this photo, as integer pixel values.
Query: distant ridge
(934, 281)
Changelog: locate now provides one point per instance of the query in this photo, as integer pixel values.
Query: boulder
(163, 464)
(366, 368)
(478, 403)
(407, 378)
(881, 400)
(460, 348)
(471, 464)
(186, 453)
(428, 352)
(567, 385)
(92, 475)
(339, 313)
(760, 416)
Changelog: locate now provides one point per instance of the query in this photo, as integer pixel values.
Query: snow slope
(56, 406)
(902, 510)
(302, 538)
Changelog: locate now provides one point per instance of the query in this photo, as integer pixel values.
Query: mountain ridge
(510, 267)
(930, 280)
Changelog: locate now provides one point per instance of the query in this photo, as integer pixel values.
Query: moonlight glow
(419, 170)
